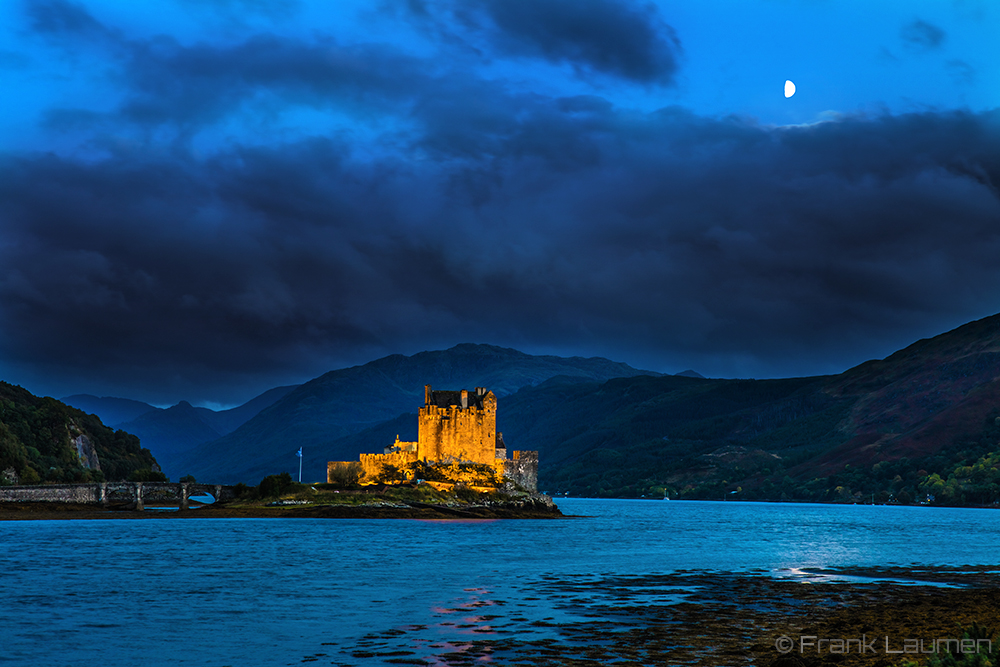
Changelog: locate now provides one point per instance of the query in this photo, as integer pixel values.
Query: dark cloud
(922, 36)
(189, 86)
(147, 263)
(202, 83)
(961, 72)
(274, 9)
(185, 89)
(626, 40)
(676, 237)
(475, 211)
(63, 18)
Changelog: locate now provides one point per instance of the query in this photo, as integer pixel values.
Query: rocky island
(457, 469)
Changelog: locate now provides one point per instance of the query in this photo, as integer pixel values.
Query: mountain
(111, 410)
(879, 428)
(612, 438)
(341, 403)
(172, 432)
(227, 421)
(920, 399)
(45, 440)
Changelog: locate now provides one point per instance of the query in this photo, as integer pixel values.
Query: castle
(453, 428)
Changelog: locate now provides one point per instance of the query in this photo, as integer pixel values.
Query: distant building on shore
(453, 428)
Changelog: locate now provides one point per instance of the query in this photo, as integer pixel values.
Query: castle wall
(454, 433)
(522, 469)
(372, 464)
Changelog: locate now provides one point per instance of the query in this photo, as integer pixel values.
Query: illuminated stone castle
(453, 428)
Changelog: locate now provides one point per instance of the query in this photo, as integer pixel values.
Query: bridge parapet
(117, 493)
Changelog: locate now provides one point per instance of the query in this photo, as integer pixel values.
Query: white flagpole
(300, 465)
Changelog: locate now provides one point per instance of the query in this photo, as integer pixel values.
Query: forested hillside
(45, 440)
(920, 425)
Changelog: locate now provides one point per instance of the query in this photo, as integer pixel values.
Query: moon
(789, 88)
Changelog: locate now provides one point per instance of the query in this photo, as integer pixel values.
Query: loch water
(218, 592)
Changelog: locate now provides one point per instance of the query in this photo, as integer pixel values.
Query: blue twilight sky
(202, 199)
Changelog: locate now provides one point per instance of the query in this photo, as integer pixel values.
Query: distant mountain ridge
(111, 410)
(171, 432)
(322, 412)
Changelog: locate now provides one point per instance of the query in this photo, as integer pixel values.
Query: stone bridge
(136, 494)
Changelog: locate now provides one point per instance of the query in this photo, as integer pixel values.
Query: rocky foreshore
(872, 617)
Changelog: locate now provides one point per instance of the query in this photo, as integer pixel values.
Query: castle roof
(445, 398)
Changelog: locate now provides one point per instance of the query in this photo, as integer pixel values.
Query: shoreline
(771, 501)
(711, 618)
(40, 511)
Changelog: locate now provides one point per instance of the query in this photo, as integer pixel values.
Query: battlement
(447, 398)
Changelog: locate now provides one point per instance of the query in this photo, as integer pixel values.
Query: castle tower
(457, 426)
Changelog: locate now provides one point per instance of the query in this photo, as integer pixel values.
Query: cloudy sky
(201, 199)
